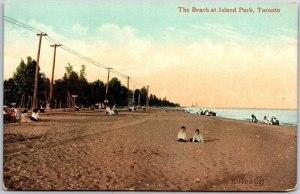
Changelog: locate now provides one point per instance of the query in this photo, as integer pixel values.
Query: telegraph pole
(34, 104)
(52, 78)
(147, 103)
(128, 103)
(106, 89)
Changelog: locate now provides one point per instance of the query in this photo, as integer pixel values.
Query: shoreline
(245, 120)
(210, 108)
(234, 117)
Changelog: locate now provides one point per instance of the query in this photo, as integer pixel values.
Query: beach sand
(138, 151)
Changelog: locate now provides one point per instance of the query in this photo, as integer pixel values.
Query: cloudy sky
(245, 60)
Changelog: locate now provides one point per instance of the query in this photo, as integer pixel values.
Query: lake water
(285, 117)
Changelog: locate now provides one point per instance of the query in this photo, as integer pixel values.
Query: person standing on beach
(181, 136)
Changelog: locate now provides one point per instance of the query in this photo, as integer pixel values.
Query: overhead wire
(137, 83)
(83, 57)
(21, 23)
(67, 49)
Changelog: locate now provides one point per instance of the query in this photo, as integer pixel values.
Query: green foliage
(20, 89)
(154, 101)
(69, 70)
(82, 73)
(24, 76)
(21, 86)
(140, 96)
(96, 92)
(114, 92)
(11, 91)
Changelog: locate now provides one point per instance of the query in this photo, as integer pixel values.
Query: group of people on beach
(12, 114)
(181, 136)
(272, 121)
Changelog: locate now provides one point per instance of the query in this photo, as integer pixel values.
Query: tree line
(19, 89)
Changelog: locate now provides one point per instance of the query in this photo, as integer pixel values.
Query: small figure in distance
(181, 136)
(109, 111)
(254, 119)
(76, 108)
(12, 114)
(35, 116)
(274, 121)
(197, 137)
(24, 117)
(5, 114)
(265, 120)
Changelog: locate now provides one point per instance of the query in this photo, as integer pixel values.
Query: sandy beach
(88, 150)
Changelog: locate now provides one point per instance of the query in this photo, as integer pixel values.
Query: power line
(82, 57)
(118, 73)
(50, 39)
(22, 26)
(87, 58)
(77, 54)
(136, 83)
(21, 23)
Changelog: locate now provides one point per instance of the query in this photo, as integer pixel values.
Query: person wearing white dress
(181, 136)
(197, 137)
(35, 116)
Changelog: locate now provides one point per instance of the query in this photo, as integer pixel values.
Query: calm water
(286, 117)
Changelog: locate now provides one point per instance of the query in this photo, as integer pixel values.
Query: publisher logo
(257, 181)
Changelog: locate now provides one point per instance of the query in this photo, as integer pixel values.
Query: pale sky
(244, 60)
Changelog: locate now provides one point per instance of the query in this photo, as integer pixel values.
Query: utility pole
(34, 104)
(106, 89)
(52, 78)
(147, 103)
(128, 103)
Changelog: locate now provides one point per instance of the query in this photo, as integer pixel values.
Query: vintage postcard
(150, 95)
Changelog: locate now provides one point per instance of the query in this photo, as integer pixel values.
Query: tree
(11, 92)
(154, 101)
(82, 73)
(74, 84)
(97, 91)
(69, 69)
(137, 93)
(143, 96)
(123, 96)
(114, 92)
(24, 80)
(59, 93)
(19, 89)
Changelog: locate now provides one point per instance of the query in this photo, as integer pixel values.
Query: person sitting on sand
(35, 116)
(274, 121)
(18, 115)
(24, 117)
(11, 115)
(197, 137)
(265, 120)
(109, 111)
(76, 108)
(5, 114)
(254, 119)
(181, 136)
